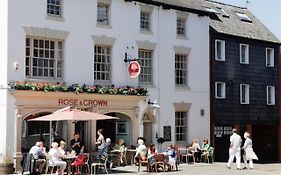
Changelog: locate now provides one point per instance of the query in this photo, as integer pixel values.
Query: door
(147, 132)
(108, 127)
(265, 142)
(222, 142)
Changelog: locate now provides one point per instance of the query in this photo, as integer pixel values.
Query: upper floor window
(145, 60)
(244, 94)
(145, 21)
(181, 26)
(270, 95)
(103, 13)
(54, 7)
(181, 69)
(269, 57)
(244, 53)
(220, 50)
(181, 126)
(43, 58)
(102, 64)
(220, 90)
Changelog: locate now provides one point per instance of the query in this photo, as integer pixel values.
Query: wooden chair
(159, 160)
(143, 163)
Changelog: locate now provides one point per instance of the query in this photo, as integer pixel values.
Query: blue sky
(267, 11)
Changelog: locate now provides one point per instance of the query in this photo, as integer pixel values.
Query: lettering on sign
(86, 102)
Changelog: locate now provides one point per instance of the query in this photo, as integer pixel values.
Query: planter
(6, 168)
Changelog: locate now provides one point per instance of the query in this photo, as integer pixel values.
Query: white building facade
(85, 43)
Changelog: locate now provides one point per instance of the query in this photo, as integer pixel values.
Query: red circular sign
(134, 69)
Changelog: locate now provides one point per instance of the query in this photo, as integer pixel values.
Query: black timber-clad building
(244, 81)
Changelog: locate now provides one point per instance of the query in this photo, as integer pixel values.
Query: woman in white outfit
(249, 154)
(55, 158)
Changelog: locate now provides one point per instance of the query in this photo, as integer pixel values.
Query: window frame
(145, 70)
(60, 15)
(31, 59)
(181, 27)
(271, 59)
(246, 53)
(147, 20)
(104, 5)
(181, 121)
(183, 68)
(247, 94)
(270, 95)
(103, 64)
(223, 90)
(222, 50)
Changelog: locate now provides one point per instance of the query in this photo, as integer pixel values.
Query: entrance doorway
(147, 132)
(222, 135)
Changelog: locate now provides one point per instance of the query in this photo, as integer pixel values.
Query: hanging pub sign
(134, 69)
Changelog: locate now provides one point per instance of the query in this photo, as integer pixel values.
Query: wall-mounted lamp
(153, 104)
(128, 57)
(16, 65)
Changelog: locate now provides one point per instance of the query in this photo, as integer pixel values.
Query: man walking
(234, 149)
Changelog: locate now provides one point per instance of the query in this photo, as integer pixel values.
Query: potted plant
(6, 163)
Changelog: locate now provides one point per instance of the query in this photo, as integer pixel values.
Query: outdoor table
(132, 154)
(69, 159)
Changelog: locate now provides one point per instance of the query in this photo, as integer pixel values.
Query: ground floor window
(181, 126)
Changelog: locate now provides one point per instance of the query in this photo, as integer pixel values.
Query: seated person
(55, 158)
(152, 150)
(171, 153)
(141, 152)
(205, 146)
(120, 147)
(62, 148)
(38, 152)
(196, 149)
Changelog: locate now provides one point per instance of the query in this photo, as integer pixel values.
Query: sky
(267, 11)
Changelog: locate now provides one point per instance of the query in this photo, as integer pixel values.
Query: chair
(144, 162)
(186, 153)
(120, 156)
(209, 154)
(159, 160)
(101, 163)
(86, 163)
(50, 164)
(79, 162)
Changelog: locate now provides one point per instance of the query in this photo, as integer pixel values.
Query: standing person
(234, 149)
(249, 153)
(76, 144)
(100, 142)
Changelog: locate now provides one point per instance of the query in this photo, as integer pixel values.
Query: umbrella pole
(51, 129)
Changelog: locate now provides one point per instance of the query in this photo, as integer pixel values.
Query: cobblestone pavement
(206, 169)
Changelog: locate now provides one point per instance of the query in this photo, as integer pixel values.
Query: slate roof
(192, 6)
(232, 25)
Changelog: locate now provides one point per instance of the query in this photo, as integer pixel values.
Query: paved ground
(206, 169)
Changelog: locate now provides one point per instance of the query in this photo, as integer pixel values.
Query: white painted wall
(80, 22)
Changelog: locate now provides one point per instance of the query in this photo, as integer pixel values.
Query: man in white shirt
(38, 153)
(234, 149)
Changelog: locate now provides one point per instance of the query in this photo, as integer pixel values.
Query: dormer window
(222, 12)
(243, 17)
(211, 10)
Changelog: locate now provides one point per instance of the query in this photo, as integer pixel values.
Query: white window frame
(223, 90)
(146, 63)
(247, 94)
(181, 27)
(39, 57)
(181, 122)
(106, 6)
(246, 53)
(270, 95)
(147, 15)
(222, 50)
(101, 76)
(181, 66)
(60, 5)
(270, 57)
